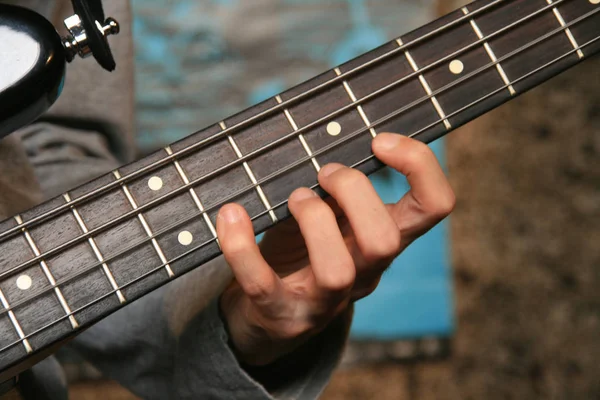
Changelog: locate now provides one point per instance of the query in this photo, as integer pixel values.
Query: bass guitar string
(92, 303)
(303, 160)
(203, 143)
(245, 158)
(210, 241)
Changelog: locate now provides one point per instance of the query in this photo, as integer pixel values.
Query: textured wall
(201, 61)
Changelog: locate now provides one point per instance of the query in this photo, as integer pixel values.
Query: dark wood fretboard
(79, 257)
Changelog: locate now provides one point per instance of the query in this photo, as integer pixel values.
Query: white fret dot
(457, 67)
(595, 1)
(334, 128)
(185, 238)
(24, 282)
(155, 183)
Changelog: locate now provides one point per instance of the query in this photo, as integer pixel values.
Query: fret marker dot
(334, 128)
(185, 238)
(24, 282)
(457, 67)
(155, 183)
(595, 1)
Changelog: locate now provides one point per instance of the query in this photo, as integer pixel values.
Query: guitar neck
(81, 256)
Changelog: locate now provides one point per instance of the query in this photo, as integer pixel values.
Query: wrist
(251, 344)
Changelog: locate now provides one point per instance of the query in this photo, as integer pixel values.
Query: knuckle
(418, 153)
(234, 248)
(442, 206)
(315, 211)
(233, 251)
(259, 289)
(448, 203)
(340, 280)
(294, 330)
(384, 247)
(350, 179)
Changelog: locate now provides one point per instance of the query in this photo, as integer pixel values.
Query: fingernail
(330, 169)
(303, 194)
(386, 141)
(230, 214)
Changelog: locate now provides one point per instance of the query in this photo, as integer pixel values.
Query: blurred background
(498, 302)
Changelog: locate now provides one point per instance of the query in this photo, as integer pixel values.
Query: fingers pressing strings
(376, 233)
(331, 263)
(234, 229)
(430, 198)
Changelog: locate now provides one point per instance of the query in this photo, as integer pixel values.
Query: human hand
(309, 269)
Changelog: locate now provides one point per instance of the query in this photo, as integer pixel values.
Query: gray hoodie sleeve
(173, 344)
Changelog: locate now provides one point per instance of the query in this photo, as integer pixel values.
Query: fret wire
(146, 227)
(354, 134)
(97, 253)
(16, 325)
(592, 41)
(300, 136)
(434, 100)
(491, 54)
(195, 197)
(263, 114)
(568, 32)
(209, 241)
(48, 274)
(359, 108)
(460, 80)
(531, 73)
(368, 158)
(250, 174)
(348, 73)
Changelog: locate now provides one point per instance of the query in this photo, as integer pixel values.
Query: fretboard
(81, 256)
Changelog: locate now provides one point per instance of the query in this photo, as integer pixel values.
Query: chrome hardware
(77, 41)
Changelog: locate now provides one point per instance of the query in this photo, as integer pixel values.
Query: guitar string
(211, 241)
(292, 135)
(269, 112)
(299, 162)
(257, 117)
(92, 303)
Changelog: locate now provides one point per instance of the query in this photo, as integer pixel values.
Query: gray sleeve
(172, 342)
(140, 348)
